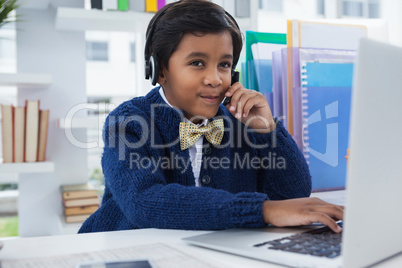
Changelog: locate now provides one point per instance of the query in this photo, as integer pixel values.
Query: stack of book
(24, 132)
(125, 5)
(79, 201)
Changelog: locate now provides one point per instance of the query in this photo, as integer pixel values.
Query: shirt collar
(162, 93)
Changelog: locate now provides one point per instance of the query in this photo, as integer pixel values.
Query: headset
(152, 61)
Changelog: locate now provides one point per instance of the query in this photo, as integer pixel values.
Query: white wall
(43, 49)
(115, 77)
(390, 11)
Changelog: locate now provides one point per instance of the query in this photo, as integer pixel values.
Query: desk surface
(73, 244)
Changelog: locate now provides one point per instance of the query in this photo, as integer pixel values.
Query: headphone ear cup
(154, 69)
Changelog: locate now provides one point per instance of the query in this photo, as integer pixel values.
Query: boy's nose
(212, 78)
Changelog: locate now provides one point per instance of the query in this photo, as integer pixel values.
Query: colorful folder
(325, 100)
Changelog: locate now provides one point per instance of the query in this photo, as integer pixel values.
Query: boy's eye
(225, 65)
(196, 63)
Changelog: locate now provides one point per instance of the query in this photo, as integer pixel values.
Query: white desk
(72, 244)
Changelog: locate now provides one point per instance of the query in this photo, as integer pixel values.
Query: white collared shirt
(195, 150)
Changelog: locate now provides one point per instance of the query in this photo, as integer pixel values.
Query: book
(91, 201)
(137, 5)
(80, 210)
(122, 5)
(96, 4)
(43, 130)
(151, 5)
(31, 130)
(7, 112)
(109, 4)
(161, 3)
(19, 134)
(76, 218)
(75, 191)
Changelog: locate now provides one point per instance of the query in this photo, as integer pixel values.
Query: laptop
(372, 222)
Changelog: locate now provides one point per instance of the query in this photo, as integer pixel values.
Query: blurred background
(114, 68)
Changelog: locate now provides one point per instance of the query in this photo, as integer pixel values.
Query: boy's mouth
(210, 98)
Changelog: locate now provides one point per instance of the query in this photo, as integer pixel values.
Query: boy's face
(199, 74)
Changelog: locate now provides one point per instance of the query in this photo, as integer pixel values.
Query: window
(352, 8)
(132, 52)
(321, 7)
(97, 51)
(271, 5)
(373, 9)
(361, 8)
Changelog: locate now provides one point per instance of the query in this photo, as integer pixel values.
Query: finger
(250, 103)
(335, 212)
(244, 98)
(238, 92)
(326, 220)
(232, 89)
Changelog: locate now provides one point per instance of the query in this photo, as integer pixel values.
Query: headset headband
(151, 62)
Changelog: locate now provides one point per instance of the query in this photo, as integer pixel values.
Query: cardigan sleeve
(148, 201)
(288, 175)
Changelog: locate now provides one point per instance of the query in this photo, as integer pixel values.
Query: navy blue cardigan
(149, 182)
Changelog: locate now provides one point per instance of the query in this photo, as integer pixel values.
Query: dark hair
(190, 16)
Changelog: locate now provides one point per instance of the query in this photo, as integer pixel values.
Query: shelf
(83, 122)
(27, 167)
(69, 228)
(37, 4)
(79, 19)
(25, 80)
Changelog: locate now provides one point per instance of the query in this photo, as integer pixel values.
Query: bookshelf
(37, 4)
(27, 167)
(29, 80)
(83, 122)
(52, 42)
(59, 60)
(68, 228)
(79, 19)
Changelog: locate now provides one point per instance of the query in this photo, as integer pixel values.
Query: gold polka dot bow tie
(190, 133)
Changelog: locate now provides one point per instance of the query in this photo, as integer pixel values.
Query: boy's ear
(162, 77)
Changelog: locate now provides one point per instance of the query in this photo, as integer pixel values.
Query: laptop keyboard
(321, 242)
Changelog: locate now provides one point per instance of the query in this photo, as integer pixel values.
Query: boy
(237, 168)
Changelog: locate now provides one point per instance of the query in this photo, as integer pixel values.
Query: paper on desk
(162, 256)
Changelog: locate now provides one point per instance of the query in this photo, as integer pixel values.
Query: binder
(316, 34)
(326, 96)
(277, 90)
(304, 55)
(258, 72)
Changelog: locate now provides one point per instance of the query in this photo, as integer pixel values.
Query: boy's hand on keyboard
(302, 211)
